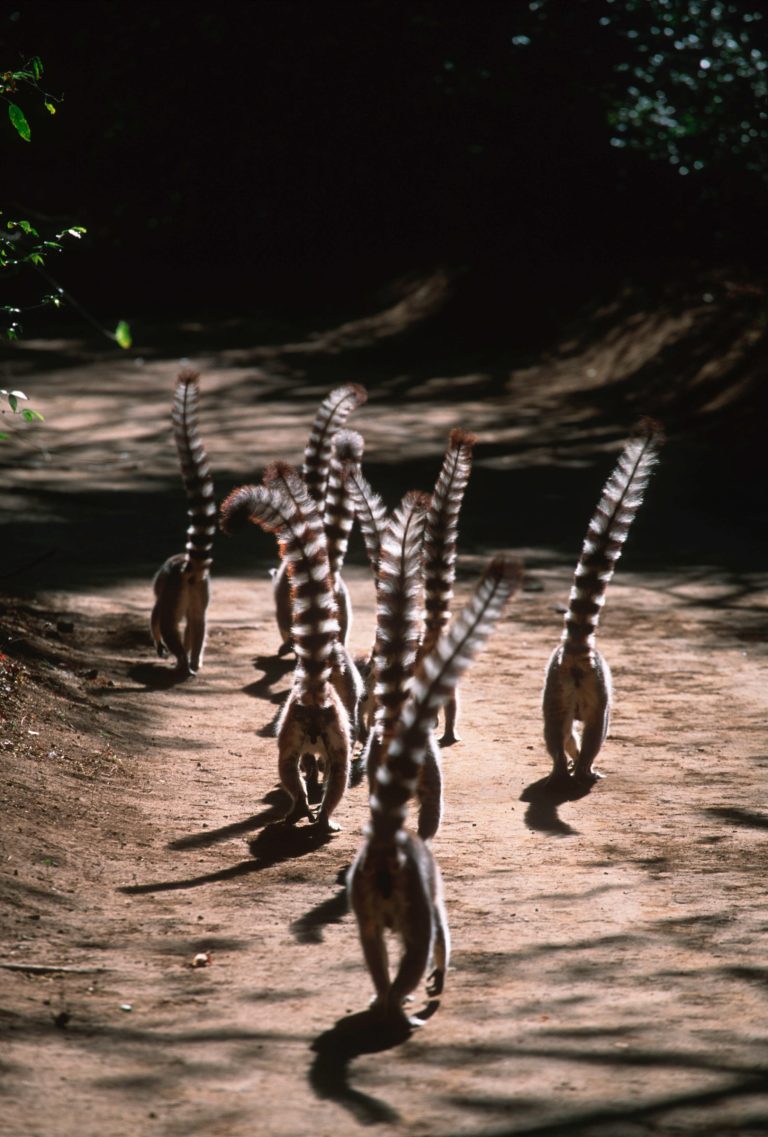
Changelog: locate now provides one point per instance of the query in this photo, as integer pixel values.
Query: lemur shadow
(157, 676)
(362, 1033)
(308, 929)
(274, 668)
(543, 797)
(277, 842)
(278, 803)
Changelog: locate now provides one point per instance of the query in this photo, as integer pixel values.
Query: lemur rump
(182, 584)
(331, 415)
(314, 720)
(394, 883)
(577, 687)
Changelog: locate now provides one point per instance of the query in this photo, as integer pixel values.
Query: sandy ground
(609, 974)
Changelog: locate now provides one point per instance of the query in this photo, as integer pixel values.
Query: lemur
(394, 883)
(577, 686)
(439, 564)
(314, 720)
(182, 584)
(330, 417)
(398, 635)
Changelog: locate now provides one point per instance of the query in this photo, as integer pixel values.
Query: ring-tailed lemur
(439, 564)
(394, 883)
(314, 720)
(182, 584)
(330, 417)
(577, 686)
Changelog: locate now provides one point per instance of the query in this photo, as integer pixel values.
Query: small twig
(49, 968)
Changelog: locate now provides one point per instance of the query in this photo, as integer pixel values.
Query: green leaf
(32, 416)
(36, 64)
(123, 335)
(50, 108)
(19, 120)
(13, 403)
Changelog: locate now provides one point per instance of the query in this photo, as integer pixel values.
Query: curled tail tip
(278, 470)
(358, 393)
(417, 500)
(187, 373)
(236, 509)
(461, 439)
(506, 569)
(651, 430)
(348, 445)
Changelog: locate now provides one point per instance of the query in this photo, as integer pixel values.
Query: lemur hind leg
(595, 712)
(430, 791)
(337, 748)
(450, 718)
(417, 935)
(442, 946)
(195, 632)
(291, 745)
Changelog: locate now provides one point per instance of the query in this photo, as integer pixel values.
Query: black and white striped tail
(331, 415)
(370, 511)
(346, 452)
(195, 470)
(616, 510)
(441, 532)
(398, 607)
(283, 506)
(397, 777)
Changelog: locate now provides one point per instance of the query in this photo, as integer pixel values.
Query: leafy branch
(27, 76)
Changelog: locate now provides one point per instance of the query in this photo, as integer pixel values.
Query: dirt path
(608, 974)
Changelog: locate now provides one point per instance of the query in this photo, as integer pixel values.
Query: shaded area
(277, 842)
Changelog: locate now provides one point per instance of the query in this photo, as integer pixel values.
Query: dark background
(294, 154)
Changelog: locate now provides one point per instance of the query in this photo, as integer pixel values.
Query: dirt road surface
(166, 969)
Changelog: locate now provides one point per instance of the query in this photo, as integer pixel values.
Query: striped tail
(283, 506)
(397, 777)
(331, 415)
(620, 500)
(370, 511)
(346, 452)
(440, 535)
(195, 471)
(398, 614)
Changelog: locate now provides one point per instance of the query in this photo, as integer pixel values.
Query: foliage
(12, 398)
(692, 83)
(27, 76)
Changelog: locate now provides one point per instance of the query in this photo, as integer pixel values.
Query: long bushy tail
(441, 533)
(346, 452)
(616, 510)
(195, 470)
(283, 506)
(370, 511)
(331, 415)
(397, 776)
(398, 607)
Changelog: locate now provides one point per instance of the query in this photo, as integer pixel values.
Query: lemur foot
(436, 982)
(324, 824)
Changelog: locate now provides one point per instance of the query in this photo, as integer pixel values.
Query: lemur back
(394, 883)
(440, 539)
(330, 417)
(182, 584)
(577, 685)
(314, 720)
